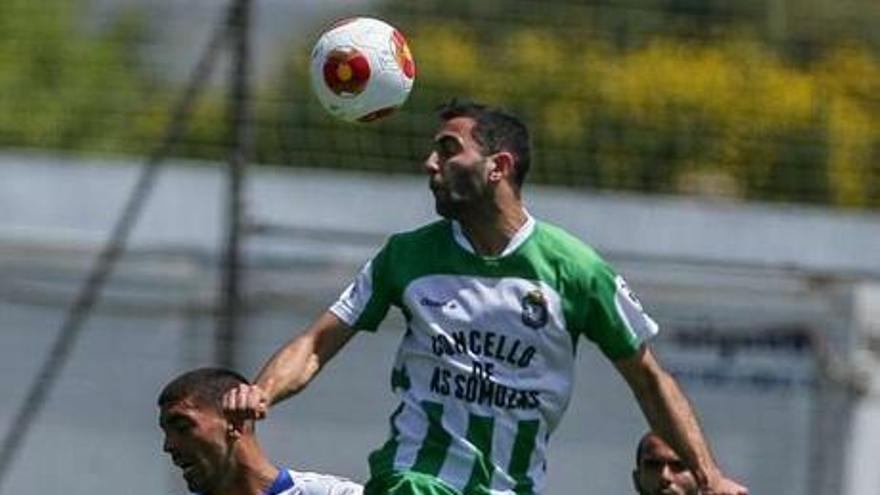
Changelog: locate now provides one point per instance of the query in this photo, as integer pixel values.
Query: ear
(503, 166)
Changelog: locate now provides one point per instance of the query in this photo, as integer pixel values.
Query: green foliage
(722, 116)
(62, 89)
(715, 112)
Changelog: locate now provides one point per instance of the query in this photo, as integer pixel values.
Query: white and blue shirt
(290, 482)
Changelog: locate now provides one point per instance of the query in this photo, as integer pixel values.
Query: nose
(431, 164)
(666, 473)
(167, 446)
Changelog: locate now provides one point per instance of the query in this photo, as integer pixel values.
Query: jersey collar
(515, 242)
(283, 482)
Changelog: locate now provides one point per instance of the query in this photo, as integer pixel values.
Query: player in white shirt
(221, 457)
(496, 303)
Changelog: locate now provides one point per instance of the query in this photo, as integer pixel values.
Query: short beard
(457, 208)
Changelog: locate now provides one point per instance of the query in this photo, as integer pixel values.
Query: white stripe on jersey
(459, 459)
(354, 298)
(630, 310)
(411, 423)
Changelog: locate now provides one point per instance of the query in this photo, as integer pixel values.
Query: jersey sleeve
(365, 302)
(617, 323)
(308, 483)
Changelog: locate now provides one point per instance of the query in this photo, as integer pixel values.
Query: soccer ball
(362, 69)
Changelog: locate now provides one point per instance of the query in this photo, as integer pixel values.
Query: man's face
(197, 441)
(458, 169)
(662, 472)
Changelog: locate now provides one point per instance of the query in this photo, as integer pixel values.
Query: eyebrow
(446, 137)
(172, 419)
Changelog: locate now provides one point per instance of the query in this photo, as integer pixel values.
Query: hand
(724, 486)
(245, 402)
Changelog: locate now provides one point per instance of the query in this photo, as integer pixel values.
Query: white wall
(709, 267)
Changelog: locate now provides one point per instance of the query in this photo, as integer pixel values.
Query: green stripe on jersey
(523, 448)
(479, 434)
(430, 458)
(382, 460)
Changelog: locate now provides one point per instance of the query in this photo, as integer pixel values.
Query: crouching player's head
(202, 442)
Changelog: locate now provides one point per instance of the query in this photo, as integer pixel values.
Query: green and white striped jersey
(485, 368)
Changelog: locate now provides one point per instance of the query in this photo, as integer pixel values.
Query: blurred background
(724, 156)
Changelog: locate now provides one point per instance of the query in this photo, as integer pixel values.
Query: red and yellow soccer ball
(362, 69)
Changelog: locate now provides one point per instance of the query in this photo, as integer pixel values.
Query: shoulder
(415, 244)
(309, 483)
(426, 234)
(557, 243)
(412, 247)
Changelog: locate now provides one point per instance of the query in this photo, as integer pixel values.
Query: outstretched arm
(290, 369)
(671, 416)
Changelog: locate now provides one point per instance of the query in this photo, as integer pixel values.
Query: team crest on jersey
(534, 309)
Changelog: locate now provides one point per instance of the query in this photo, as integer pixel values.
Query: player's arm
(670, 415)
(290, 369)
(294, 365)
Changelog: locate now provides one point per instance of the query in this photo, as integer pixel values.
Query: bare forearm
(290, 369)
(671, 416)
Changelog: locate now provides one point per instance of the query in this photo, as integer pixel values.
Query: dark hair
(495, 130)
(642, 447)
(644, 442)
(204, 385)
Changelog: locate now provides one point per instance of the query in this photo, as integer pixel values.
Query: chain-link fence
(771, 100)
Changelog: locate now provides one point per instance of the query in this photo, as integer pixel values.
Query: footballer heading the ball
(362, 69)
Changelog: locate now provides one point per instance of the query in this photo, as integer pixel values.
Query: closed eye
(447, 146)
(177, 424)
